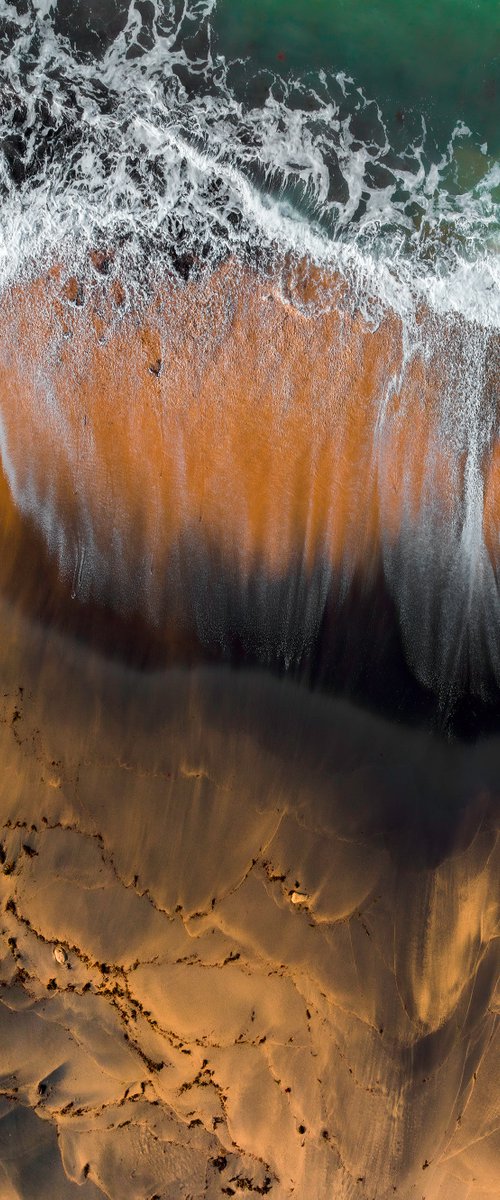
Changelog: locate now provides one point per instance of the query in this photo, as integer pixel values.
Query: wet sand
(242, 463)
(246, 405)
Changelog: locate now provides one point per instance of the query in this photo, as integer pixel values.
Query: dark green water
(440, 59)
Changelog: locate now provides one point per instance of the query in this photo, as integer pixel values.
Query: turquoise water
(440, 57)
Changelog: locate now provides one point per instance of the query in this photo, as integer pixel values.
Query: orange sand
(222, 412)
(205, 1035)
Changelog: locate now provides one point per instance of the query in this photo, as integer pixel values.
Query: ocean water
(438, 62)
(358, 147)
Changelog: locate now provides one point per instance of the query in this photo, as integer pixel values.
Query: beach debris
(60, 955)
(299, 897)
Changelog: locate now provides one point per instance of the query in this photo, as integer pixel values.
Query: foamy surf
(157, 151)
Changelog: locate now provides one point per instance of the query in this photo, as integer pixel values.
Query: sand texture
(278, 971)
(248, 931)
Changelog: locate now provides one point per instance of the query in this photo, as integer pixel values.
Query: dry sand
(278, 918)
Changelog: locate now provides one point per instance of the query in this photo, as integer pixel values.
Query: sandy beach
(249, 600)
(248, 931)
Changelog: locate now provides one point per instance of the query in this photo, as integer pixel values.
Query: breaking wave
(163, 148)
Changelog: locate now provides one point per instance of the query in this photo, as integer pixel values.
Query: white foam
(135, 158)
